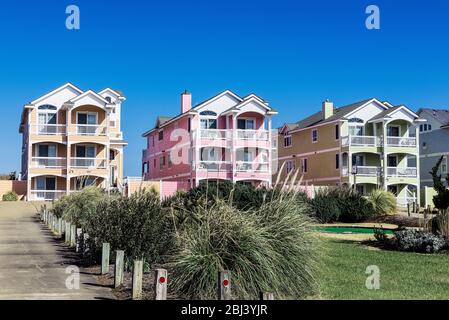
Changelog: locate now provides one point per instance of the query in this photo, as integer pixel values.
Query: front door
(393, 131)
(393, 190)
(46, 183)
(392, 161)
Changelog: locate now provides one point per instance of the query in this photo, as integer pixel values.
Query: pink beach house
(226, 137)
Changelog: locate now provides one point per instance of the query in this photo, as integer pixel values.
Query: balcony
(363, 171)
(90, 130)
(360, 141)
(46, 195)
(215, 166)
(246, 166)
(215, 134)
(401, 142)
(49, 129)
(88, 163)
(402, 172)
(48, 162)
(254, 135)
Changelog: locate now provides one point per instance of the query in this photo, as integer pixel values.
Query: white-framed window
(304, 165)
(443, 165)
(425, 127)
(86, 118)
(356, 130)
(314, 135)
(289, 165)
(393, 131)
(208, 123)
(246, 124)
(287, 140)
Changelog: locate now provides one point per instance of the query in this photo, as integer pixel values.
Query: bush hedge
(10, 196)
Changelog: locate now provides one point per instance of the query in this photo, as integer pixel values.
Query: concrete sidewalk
(33, 264)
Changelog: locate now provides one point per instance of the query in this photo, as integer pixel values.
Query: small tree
(441, 200)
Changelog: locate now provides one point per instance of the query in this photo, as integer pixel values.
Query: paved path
(33, 264)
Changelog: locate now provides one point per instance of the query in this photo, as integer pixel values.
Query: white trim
(437, 154)
(87, 93)
(56, 91)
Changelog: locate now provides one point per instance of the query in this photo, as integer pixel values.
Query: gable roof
(339, 113)
(440, 115)
(161, 121)
(67, 85)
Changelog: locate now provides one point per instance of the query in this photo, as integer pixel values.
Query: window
(356, 130)
(444, 165)
(304, 165)
(208, 124)
(421, 127)
(358, 160)
(314, 135)
(169, 161)
(246, 124)
(145, 168)
(289, 166)
(360, 189)
(108, 99)
(46, 150)
(189, 125)
(85, 151)
(337, 132)
(429, 127)
(425, 127)
(392, 161)
(111, 155)
(337, 161)
(161, 135)
(287, 141)
(151, 141)
(45, 183)
(393, 131)
(161, 162)
(87, 118)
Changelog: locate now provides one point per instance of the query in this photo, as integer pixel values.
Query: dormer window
(208, 120)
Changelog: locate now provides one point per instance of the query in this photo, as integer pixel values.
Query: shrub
(78, 207)
(137, 225)
(352, 207)
(10, 196)
(383, 202)
(419, 241)
(272, 248)
(325, 208)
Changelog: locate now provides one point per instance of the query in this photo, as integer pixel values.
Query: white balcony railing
(368, 171)
(401, 141)
(215, 166)
(361, 141)
(214, 134)
(49, 129)
(401, 172)
(46, 195)
(245, 166)
(256, 135)
(404, 201)
(90, 130)
(48, 162)
(90, 163)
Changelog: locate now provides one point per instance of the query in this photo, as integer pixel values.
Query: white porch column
(270, 150)
(385, 155)
(233, 149)
(418, 169)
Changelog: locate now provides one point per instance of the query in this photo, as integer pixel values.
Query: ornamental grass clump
(382, 201)
(271, 248)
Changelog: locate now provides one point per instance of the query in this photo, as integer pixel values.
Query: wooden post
(60, 231)
(160, 285)
(79, 240)
(67, 232)
(224, 285)
(137, 280)
(267, 296)
(72, 235)
(45, 216)
(86, 249)
(105, 258)
(119, 268)
(408, 209)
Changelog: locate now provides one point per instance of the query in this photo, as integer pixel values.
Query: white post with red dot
(267, 296)
(224, 285)
(160, 286)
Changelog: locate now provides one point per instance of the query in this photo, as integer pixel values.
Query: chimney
(186, 101)
(327, 109)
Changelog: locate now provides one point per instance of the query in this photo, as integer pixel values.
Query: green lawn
(402, 275)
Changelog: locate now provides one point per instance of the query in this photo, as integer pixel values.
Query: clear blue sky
(293, 53)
